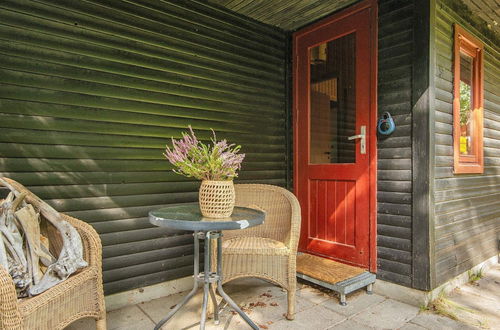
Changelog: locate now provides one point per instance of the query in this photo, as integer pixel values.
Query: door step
(334, 275)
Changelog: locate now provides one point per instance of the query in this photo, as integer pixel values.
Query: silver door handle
(362, 136)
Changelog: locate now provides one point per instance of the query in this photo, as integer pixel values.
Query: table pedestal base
(207, 278)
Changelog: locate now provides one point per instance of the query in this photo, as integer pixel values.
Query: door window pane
(333, 101)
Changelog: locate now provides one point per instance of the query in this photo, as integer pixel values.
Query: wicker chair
(267, 251)
(81, 295)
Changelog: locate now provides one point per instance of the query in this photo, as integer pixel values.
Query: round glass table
(188, 217)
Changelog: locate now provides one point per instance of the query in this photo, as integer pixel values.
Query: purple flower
(193, 158)
(180, 148)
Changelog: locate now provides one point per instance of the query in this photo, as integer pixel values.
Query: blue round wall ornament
(386, 124)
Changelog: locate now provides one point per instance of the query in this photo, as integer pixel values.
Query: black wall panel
(394, 199)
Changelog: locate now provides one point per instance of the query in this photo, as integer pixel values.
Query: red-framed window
(467, 103)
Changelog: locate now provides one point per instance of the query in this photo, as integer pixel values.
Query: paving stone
(412, 326)
(187, 316)
(485, 291)
(249, 294)
(128, 318)
(251, 285)
(355, 304)
(389, 314)
(350, 325)
(313, 295)
(315, 310)
(229, 321)
(434, 321)
(268, 304)
(478, 303)
(317, 318)
(264, 309)
(482, 299)
(467, 309)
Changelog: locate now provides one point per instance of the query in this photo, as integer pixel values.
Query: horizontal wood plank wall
(467, 206)
(91, 91)
(394, 228)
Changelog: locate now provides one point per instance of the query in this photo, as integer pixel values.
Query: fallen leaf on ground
(274, 304)
(258, 304)
(262, 326)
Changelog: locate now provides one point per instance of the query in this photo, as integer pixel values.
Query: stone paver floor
(478, 303)
(315, 309)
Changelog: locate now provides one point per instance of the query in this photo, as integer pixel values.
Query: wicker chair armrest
(10, 318)
(90, 239)
(292, 240)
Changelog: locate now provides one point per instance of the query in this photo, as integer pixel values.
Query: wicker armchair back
(267, 251)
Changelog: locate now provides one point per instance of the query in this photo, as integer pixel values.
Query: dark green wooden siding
(91, 91)
(394, 228)
(467, 210)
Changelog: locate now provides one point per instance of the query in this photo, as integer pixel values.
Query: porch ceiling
(286, 14)
(290, 15)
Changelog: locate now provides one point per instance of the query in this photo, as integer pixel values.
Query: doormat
(326, 270)
(334, 275)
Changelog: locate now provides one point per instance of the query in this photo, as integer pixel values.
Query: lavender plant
(217, 161)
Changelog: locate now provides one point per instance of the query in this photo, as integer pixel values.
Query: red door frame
(372, 140)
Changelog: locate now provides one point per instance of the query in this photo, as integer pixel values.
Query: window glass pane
(466, 105)
(333, 101)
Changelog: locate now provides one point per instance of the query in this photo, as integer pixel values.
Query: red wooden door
(334, 137)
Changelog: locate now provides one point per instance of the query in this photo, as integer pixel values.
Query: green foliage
(424, 308)
(476, 275)
(444, 306)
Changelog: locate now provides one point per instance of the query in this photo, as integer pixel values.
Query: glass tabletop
(189, 217)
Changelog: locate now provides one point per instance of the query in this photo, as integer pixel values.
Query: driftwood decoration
(32, 267)
(17, 263)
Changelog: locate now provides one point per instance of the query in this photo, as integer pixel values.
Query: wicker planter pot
(216, 199)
